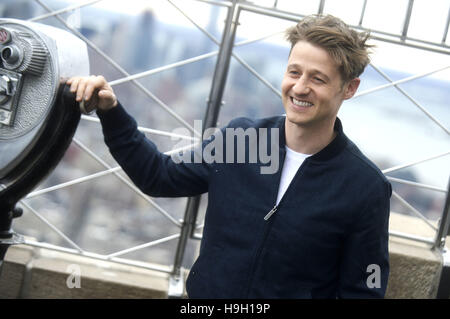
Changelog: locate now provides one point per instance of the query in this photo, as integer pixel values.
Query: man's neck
(308, 140)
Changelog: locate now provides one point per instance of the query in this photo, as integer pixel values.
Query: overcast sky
(428, 22)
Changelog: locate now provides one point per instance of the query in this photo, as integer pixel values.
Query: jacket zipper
(272, 211)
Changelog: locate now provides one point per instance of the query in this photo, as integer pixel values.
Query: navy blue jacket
(327, 239)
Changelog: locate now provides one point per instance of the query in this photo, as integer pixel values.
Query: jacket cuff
(114, 118)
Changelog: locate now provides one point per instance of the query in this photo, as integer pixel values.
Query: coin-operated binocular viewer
(38, 115)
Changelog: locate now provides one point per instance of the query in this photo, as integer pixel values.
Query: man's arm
(155, 173)
(365, 257)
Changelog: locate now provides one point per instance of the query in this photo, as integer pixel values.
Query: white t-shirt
(292, 163)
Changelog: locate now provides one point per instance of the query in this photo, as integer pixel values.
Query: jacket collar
(336, 146)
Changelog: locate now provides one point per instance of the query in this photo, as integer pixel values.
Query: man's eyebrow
(314, 71)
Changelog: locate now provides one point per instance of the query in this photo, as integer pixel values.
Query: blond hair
(346, 46)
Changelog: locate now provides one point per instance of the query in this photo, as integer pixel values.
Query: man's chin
(297, 119)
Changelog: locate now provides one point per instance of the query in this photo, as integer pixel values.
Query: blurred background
(103, 215)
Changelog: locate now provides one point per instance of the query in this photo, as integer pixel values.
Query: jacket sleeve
(364, 267)
(155, 173)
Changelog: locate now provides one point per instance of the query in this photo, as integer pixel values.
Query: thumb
(107, 99)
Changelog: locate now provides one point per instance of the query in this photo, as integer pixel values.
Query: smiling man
(315, 228)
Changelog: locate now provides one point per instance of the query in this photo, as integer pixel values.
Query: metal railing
(188, 226)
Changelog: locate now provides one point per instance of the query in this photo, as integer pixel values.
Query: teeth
(301, 103)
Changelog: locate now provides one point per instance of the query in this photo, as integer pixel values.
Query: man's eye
(319, 80)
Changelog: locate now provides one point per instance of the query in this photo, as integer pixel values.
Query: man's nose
(301, 86)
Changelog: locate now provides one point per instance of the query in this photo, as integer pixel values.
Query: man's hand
(85, 87)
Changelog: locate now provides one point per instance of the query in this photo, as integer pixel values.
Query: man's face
(312, 88)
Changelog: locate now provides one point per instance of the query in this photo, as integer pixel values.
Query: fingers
(81, 89)
(73, 84)
(93, 83)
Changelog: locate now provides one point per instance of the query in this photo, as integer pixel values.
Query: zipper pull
(272, 211)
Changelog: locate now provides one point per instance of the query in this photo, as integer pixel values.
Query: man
(315, 228)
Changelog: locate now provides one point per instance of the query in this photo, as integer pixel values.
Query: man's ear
(351, 87)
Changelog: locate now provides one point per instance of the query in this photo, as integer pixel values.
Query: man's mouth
(301, 103)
